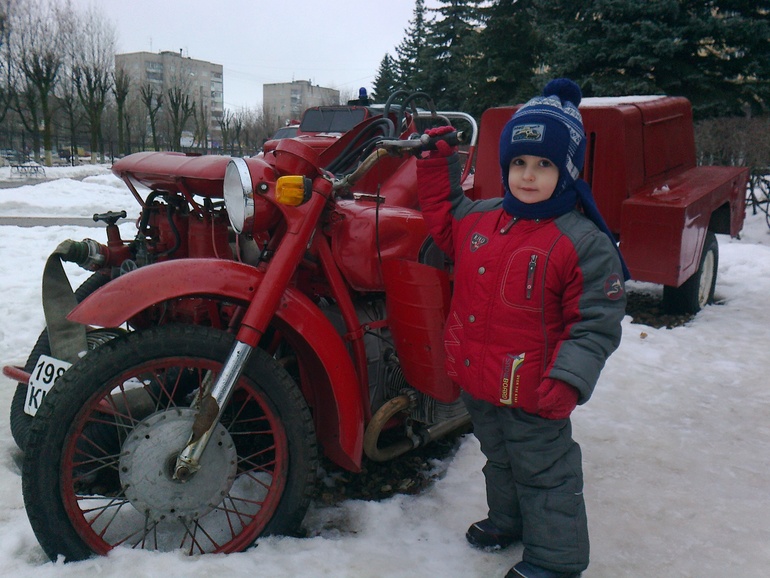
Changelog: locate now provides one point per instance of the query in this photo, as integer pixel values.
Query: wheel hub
(148, 460)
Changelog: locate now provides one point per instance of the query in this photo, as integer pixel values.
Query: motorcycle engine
(386, 379)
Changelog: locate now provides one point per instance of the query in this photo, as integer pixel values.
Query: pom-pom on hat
(548, 126)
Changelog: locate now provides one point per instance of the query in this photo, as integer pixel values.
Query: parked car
(286, 132)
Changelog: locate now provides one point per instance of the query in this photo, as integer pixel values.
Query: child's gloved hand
(443, 148)
(556, 399)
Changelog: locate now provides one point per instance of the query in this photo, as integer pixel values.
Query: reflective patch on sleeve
(613, 287)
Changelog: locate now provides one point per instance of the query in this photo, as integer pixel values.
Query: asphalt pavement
(49, 221)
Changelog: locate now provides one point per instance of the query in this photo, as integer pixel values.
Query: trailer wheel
(698, 291)
(20, 421)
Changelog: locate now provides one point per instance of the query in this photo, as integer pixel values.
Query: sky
(675, 439)
(332, 43)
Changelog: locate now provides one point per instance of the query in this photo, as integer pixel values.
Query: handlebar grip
(454, 138)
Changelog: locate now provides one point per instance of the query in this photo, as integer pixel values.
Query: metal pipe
(383, 415)
(16, 374)
(392, 408)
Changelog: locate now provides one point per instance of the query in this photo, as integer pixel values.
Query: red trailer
(663, 208)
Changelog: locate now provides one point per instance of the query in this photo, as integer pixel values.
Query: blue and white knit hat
(548, 126)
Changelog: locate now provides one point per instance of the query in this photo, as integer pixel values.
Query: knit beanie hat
(548, 126)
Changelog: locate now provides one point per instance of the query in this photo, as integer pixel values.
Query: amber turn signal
(292, 190)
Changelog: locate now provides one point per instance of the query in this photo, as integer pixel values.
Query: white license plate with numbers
(47, 370)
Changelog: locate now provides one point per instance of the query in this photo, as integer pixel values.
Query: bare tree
(66, 92)
(121, 84)
(39, 48)
(237, 130)
(251, 131)
(225, 127)
(179, 104)
(135, 121)
(180, 109)
(153, 102)
(6, 8)
(26, 103)
(93, 72)
(202, 118)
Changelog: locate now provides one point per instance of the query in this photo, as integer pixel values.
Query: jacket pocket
(523, 281)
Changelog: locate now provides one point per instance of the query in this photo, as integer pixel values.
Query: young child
(536, 311)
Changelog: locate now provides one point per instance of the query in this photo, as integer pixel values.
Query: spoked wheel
(98, 470)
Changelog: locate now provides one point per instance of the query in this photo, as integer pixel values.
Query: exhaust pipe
(389, 410)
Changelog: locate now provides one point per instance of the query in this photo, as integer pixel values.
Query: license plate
(47, 370)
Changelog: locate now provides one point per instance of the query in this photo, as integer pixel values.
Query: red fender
(336, 396)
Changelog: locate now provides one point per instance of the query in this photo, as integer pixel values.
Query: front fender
(333, 389)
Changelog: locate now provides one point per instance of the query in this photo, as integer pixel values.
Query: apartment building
(288, 100)
(202, 80)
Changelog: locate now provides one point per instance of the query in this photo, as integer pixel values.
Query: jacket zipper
(531, 275)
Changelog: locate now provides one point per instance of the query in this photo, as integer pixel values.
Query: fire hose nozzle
(88, 254)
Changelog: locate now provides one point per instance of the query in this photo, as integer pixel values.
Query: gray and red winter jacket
(531, 298)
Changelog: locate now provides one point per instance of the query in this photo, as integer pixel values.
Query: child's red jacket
(531, 298)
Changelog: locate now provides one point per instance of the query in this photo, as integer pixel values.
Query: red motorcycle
(319, 332)
(183, 216)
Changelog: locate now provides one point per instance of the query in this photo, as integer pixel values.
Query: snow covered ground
(676, 440)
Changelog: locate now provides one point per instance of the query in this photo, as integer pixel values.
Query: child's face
(532, 179)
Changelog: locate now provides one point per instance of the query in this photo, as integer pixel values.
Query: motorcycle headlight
(239, 194)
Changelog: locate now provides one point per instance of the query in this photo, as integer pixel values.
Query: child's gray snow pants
(534, 479)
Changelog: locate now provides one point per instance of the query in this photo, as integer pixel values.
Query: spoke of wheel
(237, 512)
(228, 514)
(148, 529)
(142, 533)
(108, 406)
(249, 466)
(193, 538)
(236, 418)
(160, 378)
(107, 463)
(110, 521)
(117, 502)
(234, 499)
(251, 420)
(200, 527)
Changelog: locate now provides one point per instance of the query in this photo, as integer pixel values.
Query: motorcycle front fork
(210, 409)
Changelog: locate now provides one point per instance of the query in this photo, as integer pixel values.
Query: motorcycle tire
(20, 420)
(98, 470)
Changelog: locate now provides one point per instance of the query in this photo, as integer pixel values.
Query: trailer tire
(20, 421)
(698, 291)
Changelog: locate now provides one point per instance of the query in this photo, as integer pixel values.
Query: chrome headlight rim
(238, 192)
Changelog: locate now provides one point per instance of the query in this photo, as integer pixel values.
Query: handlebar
(422, 143)
(397, 147)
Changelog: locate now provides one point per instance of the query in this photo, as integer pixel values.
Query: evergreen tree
(411, 53)
(386, 81)
(452, 50)
(733, 51)
(508, 48)
(715, 53)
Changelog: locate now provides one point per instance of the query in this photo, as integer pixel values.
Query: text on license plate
(46, 371)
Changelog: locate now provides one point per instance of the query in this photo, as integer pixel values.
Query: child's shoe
(527, 570)
(486, 536)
